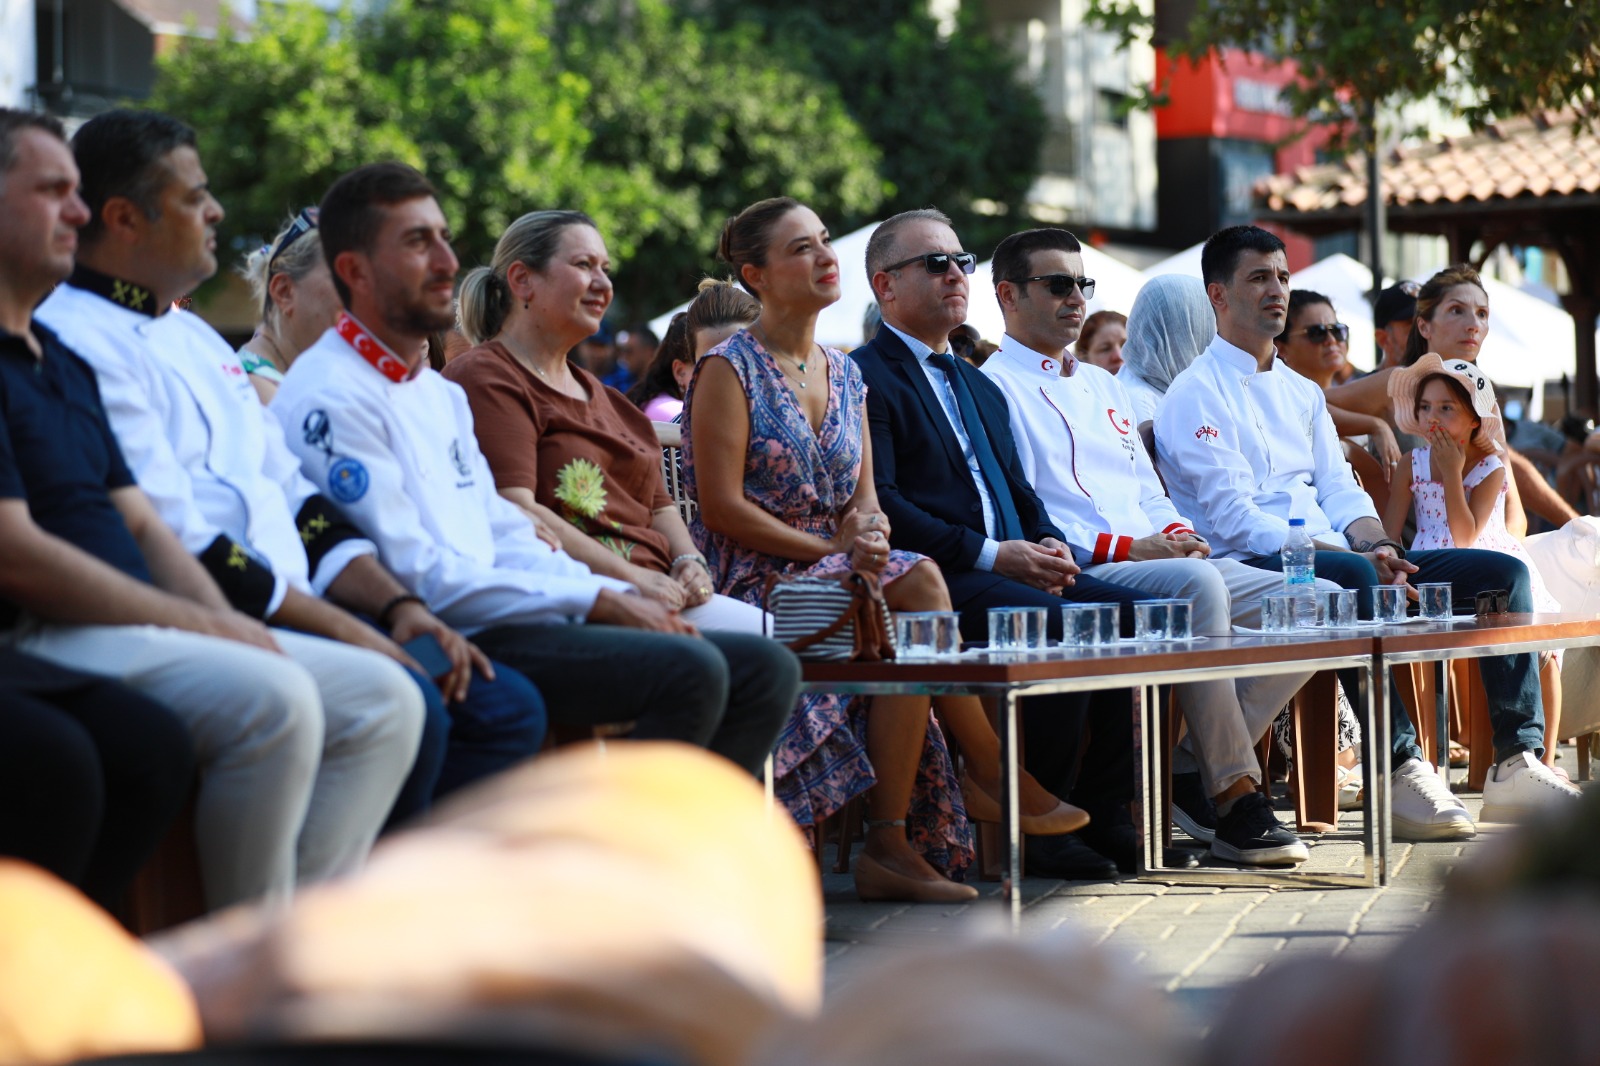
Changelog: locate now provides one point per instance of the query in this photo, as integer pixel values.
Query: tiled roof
(177, 16)
(1519, 158)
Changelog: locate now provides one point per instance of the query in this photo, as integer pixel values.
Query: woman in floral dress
(775, 453)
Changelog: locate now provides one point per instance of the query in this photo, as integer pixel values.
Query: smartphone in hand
(427, 650)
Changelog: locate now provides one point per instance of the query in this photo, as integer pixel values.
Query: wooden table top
(1466, 632)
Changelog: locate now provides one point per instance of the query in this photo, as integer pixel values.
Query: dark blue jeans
(500, 723)
(1516, 708)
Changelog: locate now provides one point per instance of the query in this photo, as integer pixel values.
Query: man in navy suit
(949, 480)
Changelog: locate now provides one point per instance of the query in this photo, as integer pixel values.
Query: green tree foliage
(717, 124)
(1481, 58)
(952, 119)
(280, 114)
(656, 126)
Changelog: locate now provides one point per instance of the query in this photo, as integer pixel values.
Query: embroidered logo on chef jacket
(458, 458)
(1048, 365)
(347, 480)
(318, 432)
(1119, 422)
(1206, 433)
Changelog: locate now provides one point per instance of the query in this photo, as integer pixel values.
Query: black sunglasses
(303, 223)
(939, 262)
(1061, 284)
(1491, 603)
(1319, 333)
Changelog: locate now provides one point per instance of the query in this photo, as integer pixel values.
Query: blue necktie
(988, 463)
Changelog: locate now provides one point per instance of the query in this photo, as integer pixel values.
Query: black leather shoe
(1111, 833)
(1066, 857)
(1179, 858)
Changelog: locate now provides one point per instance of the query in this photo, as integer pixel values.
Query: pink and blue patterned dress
(806, 479)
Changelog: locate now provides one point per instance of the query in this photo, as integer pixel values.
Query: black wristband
(389, 608)
(322, 528)
(1399, 552)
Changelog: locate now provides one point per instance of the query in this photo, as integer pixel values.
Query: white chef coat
(199, 442)
(401, 458)
(1243, 452)
(1079, 447)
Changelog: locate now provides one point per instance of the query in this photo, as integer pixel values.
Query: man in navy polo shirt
(93, 578)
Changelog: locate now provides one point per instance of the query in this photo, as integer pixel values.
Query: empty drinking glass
(1389, 603)
(1017, 628)
(1433, 599)
(927, 634)
(1161, 620)
(1278, 612)
(1336, 608)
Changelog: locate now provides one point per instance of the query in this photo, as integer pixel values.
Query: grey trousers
(1225, 718)
(300, 755)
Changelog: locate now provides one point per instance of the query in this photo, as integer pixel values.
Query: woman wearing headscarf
(1170, 324)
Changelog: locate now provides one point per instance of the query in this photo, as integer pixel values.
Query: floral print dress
(806, 479)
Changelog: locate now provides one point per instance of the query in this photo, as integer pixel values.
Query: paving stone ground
(1195, 942)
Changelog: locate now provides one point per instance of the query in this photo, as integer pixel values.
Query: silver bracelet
(689, 557)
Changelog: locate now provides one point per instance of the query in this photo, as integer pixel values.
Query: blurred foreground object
(73, 983)
(616, 900)
(1054, 1001)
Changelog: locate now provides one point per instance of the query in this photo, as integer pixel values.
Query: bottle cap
(1297, 521)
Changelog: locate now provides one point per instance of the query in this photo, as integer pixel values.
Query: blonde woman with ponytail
(569, 451)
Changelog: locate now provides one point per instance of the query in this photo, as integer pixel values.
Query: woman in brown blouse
(565, 448)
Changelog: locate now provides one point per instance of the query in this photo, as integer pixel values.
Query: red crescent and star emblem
(371, 349)
(1047, 365)
(1118, 423)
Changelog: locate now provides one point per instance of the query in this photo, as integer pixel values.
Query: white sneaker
(1423, 806)
(1527, 788)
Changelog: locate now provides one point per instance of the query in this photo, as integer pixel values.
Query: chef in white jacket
(392, 443)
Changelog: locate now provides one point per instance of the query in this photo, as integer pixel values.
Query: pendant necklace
(800, 364)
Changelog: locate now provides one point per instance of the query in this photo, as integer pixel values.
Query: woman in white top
(290, 280)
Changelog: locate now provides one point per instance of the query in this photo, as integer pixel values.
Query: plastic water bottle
(1300, 572)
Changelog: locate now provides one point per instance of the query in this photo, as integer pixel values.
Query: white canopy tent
(1530, 341)
(839, 325)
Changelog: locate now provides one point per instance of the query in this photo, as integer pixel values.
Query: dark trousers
(91, 775)
(730, 693)
(500, 723)
(1078, 745)
(1516, 706)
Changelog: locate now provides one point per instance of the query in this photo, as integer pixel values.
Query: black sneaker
(1251, 835)
(1192, 809)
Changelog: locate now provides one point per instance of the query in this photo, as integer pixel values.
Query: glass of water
(1278, 612)
(1434, 600)
(927, 634)
(1389, 603)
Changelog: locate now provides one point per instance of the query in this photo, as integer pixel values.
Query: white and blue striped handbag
(832, 619)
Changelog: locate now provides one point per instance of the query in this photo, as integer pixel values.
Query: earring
(524, 305)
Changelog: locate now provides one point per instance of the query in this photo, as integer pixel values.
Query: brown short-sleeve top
(594, 462)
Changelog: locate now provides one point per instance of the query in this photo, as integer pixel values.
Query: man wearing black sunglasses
(947, 475)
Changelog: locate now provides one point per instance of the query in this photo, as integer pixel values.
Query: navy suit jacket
(924, 484)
